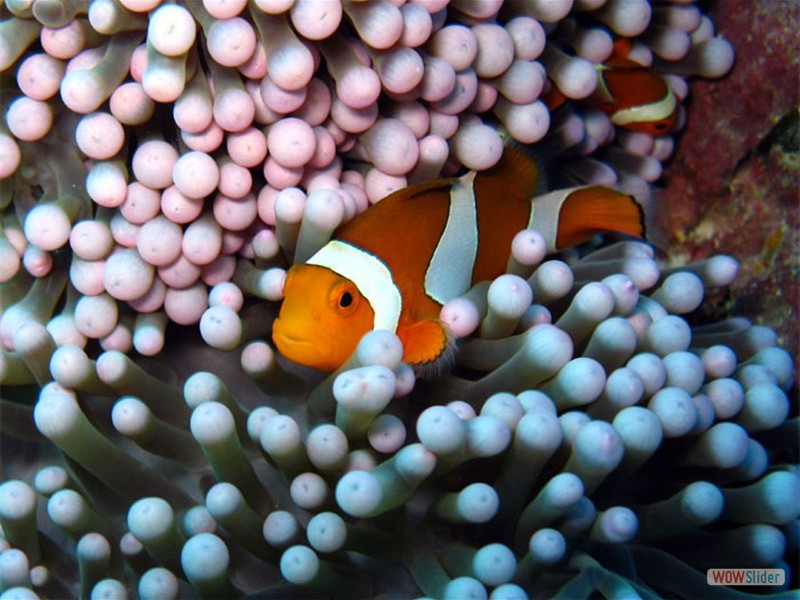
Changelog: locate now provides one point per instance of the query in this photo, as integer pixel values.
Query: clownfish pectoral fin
(428, 347)
(594, 209)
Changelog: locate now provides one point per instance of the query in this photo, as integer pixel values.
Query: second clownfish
(393, 266)
(632, 95)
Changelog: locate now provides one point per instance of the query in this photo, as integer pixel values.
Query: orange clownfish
(632, 95)
(393, 266)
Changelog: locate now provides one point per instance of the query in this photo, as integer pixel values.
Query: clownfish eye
(344, 298)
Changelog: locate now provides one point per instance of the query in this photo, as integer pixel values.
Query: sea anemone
(610, 426)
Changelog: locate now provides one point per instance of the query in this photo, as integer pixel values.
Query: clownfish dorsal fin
(594, 209)
(425, 187)
(516, 173)
(554, 98)
(427, 346)
(622, 48)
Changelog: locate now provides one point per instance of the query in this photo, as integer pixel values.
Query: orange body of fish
(393, 266)
(632, 95)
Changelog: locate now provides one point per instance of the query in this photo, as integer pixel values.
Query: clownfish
(632, 95)
(393, 266)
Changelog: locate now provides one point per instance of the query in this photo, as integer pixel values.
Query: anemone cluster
(162, 164)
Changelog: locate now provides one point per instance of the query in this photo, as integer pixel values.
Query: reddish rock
(733, 184)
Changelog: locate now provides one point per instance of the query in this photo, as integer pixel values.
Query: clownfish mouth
(282, 340)
(302, 351)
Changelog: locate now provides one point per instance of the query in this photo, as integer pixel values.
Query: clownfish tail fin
(594, 209)
(568, 217)
(654, 222)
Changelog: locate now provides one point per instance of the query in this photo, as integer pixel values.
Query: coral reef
(746, 166)
(611, 427)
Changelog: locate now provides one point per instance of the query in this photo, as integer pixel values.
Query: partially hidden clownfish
(393, 266)
(633, 96)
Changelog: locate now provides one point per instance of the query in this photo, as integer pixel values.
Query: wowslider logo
(745, 577)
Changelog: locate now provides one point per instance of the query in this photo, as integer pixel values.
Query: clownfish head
(638, 99)
(653, 126)
(322, 319)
